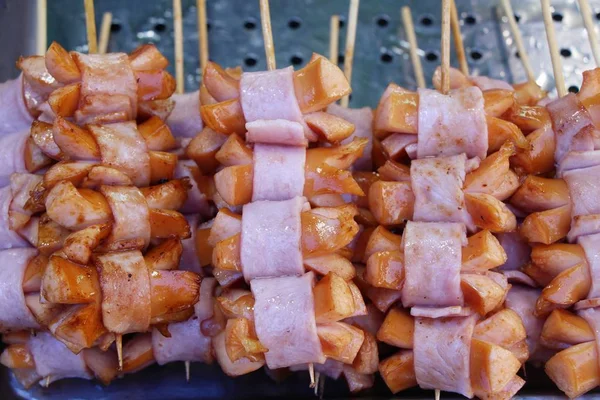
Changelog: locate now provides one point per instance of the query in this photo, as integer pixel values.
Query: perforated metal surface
(302, 26)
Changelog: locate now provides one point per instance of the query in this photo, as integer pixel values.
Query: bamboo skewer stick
(586, 14)
(105, 32)
(90, 24)
(187, 371)
(119, 343)
(350, 41)
(409, 28)
(177, 23)
(458, 41)
(446, 5)
(202, 34)
(516, 34)
(559, 78)
(311, 373)
(265, 20)
(445, 43)
(334, 39)
(42, 27)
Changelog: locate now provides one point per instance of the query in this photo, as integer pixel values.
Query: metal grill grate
(302, 26)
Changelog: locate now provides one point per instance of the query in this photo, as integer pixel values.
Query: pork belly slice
(14, 313)
(276, 131)
(187, 343)
(583, 225)
(452, 124)
(584, 188)
(125, 284)
(517, 250)
(485, 83)
(442, 351)
(522, 300)
(285, 323)
(432, 262)
(592, 316)
(185, 121)
(278, 172)
(573, 126)
(437, 184)
(271, 239)
(269, 95)
(106, 74)
(591, 248)
(131, 227)
(12, 157)
(578, 159)
(122, 147)
(14, 115)
(54, 360)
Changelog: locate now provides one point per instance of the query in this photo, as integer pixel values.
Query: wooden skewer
(409, 28)
(559, 78)
(47, 381)
(311, 373)
(187, 371)
(446, 46)
(437, 394)
(350, 41)
(516, 34)
(177, 23)
(202, 34)
(334, 39)
(105, 32)
(317, 379)
(458, 41)
(265, 20)
(119, 343)
(321, 388)
(586, 13)
(90, 24)
(42, 27)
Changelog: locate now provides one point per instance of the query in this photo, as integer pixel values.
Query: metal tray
(300, 27)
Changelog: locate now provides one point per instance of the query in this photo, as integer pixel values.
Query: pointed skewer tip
(119, 340)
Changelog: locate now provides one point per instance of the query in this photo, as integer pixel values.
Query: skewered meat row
(284, 300)
(91, 88)
(446, 193)
(91, 211)
(64, 278)
(565, 209)
(32, 357)
(38, 356)
(261, 131)
(276, 212)
(21, 99)
(68, 172)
